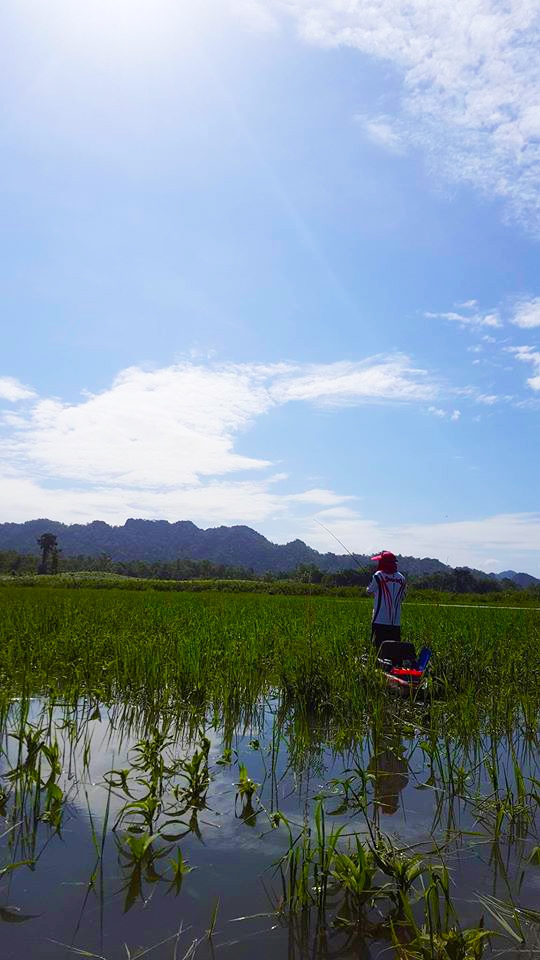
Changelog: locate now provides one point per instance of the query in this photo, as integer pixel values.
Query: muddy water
(83, 892)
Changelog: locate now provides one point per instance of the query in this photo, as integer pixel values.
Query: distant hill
(159, 540)
(522, 579)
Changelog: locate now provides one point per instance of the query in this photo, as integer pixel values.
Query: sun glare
(127, 30)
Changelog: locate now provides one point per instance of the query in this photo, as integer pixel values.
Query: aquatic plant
(213, 703)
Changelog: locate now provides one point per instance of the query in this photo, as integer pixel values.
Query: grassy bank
(114, 581)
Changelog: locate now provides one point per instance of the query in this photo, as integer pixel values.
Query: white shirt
(388, 590)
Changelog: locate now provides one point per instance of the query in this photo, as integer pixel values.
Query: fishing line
(339, 541)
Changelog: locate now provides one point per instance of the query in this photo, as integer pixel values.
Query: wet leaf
(13, 915)
(534, 856)
(13, 866)
(342, 808)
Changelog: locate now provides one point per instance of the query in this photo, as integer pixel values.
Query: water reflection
(193, 802)
(390, 770)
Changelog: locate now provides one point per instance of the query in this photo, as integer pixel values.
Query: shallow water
(83, 891)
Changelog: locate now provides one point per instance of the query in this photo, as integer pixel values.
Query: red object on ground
(406, 672)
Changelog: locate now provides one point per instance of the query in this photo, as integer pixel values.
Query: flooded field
(228, 776)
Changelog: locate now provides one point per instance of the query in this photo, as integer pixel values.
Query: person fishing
(388, 587)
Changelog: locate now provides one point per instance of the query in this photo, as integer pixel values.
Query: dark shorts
(382, 631)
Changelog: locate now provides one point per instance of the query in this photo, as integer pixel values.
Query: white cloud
(468, 319)
(490, 320)
(529, 355)
(319, 497)
(377, 379)
(13, 391)
(161, 442)
(527, 314)
(524, 313)
(452, 415)
(160, 428)
(514, 537)
(526, 353)
(383, 132)
(214, 502)
(471, 81)
(488, 399)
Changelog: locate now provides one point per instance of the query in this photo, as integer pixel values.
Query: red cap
(385, 555)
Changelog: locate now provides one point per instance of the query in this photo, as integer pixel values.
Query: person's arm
(372, 586)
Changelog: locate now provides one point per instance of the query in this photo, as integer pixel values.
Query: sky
(275, 263)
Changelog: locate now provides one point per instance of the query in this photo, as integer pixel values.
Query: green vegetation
(268, 585)
(264, 714)
(18, 565)
(213, 645)
(462, 583)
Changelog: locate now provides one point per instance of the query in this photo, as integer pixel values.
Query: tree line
(454, 580)
(51, 561)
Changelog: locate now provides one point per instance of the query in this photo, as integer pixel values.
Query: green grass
(109, 581)
(212, 646)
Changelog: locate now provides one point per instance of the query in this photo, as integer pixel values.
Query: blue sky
(273, 262)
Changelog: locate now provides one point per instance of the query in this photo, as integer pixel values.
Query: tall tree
(48, 544)
(55, 557)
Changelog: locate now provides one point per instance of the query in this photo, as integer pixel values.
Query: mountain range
(521, 579)
(159, 540)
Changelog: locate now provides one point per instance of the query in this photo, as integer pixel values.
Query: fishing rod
(357, 562)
